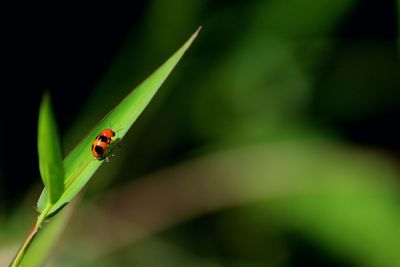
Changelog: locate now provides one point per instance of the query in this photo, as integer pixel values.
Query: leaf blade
(49, 151)
(79, 164)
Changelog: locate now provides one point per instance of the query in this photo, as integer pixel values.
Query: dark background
(64, 49)
(67, 49)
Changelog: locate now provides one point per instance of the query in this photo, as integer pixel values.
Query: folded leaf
(50, 157)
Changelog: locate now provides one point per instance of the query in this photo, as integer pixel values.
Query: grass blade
(49, 150)
(79, 164)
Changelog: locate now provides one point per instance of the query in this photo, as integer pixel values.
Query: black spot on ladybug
(102, 138)
(99, 150)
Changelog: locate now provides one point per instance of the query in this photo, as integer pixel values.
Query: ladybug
(101, 144)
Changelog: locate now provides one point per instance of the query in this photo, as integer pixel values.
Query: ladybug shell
(107, 133)
(101, 143)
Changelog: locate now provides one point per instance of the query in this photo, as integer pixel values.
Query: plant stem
(21, 252)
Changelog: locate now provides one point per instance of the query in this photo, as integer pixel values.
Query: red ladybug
(101, 143)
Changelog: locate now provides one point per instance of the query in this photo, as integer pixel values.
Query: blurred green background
(273, 143)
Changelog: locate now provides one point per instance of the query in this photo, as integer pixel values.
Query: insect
(101, 144)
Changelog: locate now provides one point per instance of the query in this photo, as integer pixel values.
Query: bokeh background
(273, 143)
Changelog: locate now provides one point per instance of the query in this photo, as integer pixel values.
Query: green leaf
(50, 157)
(79, 164)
